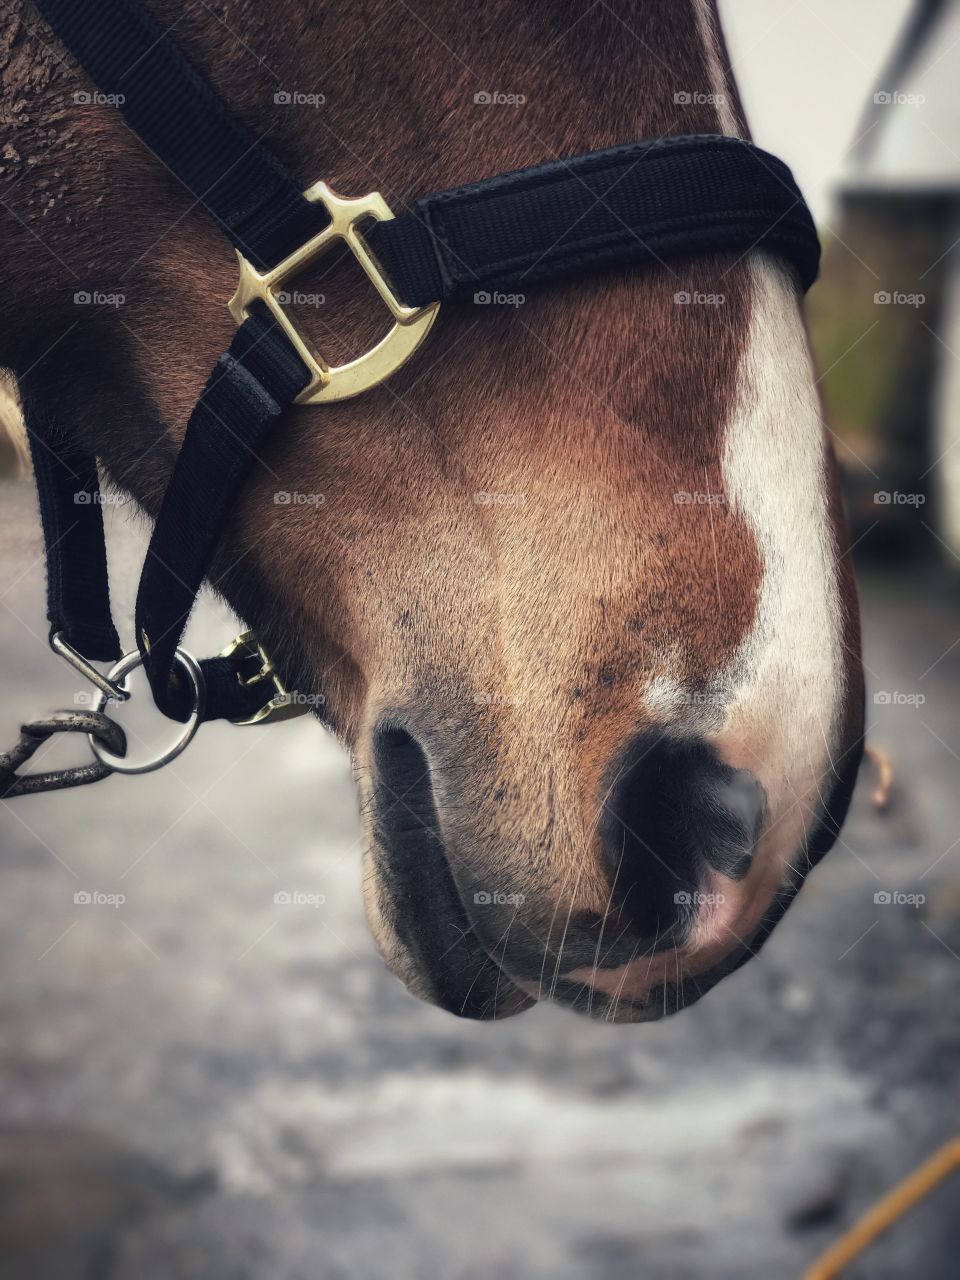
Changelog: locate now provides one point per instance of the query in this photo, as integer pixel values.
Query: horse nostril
(676, 813)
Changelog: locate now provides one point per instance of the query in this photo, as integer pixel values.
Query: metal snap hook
(117, 675)
(62, 647)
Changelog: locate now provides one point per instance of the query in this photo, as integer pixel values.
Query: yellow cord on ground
(893, 1206)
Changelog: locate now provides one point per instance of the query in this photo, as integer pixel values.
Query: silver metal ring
(129, 662)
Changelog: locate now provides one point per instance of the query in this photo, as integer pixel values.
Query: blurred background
(199, 1081)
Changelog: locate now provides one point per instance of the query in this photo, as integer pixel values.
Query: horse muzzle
(484, 903)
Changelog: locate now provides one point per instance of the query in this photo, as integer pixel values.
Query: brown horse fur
(498, 567)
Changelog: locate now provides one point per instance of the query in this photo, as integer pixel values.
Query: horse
(575, 582)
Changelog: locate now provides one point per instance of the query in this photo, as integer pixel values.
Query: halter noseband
(626, 205)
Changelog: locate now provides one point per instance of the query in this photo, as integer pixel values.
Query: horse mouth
(430, 944)
(669, 997)
(418, 917)
(429, 936)
(429, 941)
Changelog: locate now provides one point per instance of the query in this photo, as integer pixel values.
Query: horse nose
(675, 817)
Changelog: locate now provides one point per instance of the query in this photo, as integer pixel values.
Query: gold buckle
(283, 705)
(338, 382)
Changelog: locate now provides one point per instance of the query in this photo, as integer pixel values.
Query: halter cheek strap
(627, 205)
(252, 383)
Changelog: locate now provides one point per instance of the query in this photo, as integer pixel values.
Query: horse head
(574, 583)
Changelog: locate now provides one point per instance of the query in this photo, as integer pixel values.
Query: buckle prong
(411, 324)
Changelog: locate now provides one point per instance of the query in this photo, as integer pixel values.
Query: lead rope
(106, 732)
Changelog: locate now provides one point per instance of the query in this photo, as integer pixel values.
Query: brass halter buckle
(412, 324)
(281, 703)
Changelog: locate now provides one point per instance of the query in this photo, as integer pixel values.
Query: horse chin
(664, 999)
(461, 977)
(427, 939)
(429, 943)
(659, 1003)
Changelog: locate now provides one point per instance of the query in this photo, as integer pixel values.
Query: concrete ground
(202, 1083)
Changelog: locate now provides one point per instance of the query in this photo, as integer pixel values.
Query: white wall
(805, 69)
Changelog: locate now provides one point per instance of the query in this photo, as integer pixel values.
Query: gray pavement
(202, 1083)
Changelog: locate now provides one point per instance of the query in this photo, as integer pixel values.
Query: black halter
(627, 205)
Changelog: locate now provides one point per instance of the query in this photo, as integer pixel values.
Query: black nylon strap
(78, 603)
(635, 203)
(181, 119)
(252, 383)
(68, 488)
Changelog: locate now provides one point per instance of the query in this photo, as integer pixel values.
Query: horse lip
(451, 967)
(672, 997)
(659, 1002)
(420, 899)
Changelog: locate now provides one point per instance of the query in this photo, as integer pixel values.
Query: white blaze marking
(779, 699)
(782, 691)
(719, 81)
(787, 674)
